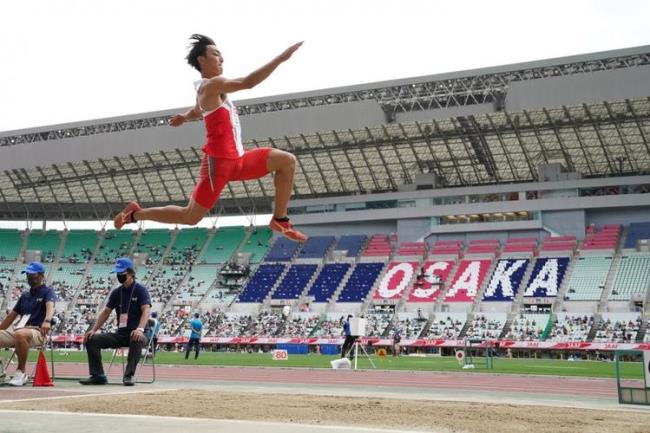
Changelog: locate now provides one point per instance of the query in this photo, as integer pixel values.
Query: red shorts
(217, 172)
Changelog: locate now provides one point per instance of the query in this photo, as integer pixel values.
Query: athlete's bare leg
(190, 214)
(283, 164)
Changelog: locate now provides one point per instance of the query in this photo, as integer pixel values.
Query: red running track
(368, 378)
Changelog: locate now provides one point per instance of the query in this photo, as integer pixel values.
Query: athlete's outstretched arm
(229, 85)
(193, 113)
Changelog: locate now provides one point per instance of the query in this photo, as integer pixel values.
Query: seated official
(35, 308)
(132, 304)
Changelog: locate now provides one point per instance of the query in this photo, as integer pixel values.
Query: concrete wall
(566, 222)
(412, 230)
(599, 86)
(618, 216)
(353, 115)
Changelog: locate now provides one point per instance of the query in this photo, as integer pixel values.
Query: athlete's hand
(286, 55)
(177, 120)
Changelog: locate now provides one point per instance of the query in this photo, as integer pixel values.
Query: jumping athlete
(224, 156)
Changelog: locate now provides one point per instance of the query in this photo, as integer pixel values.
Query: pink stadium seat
(522, 240)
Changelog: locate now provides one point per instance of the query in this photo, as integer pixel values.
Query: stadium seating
(187, 246)
(547, 276)
(395, 280)
(446, 248)
(327, 281)
(568, 327)
(98, 284)
(332, 327)
(632, 276)
(528, 327)
(361, 280)
(283, 250)
(163, 285)
(521, 245)
(258, 243)
(47, 242)
(266, 324)
(352, 244)
(6, 273)
(261, 282)
(427, 284)
(377, 322)
(378, 246)
(412, 249)
(316, 247)
(618, 328)
(153, 242)
(483, 246)
(485, 326)
(223, 244)
(635, 232)
(171, 320)
(559, 243)
(66, 279)
(294, 281)
(115, 244)
(588, 278)
(603, 239)
(79, 246)
(467, 281)
(506, 280)
(9, 245)
(447, 326)
(411, 325)
(299, 325)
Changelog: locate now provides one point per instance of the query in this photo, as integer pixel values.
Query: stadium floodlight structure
(598, 139)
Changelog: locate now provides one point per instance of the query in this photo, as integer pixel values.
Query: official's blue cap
(34, 268)
(122, 264)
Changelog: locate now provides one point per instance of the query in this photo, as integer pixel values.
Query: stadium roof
(454, 89)
(608, 138)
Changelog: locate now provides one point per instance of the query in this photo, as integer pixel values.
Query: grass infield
(630, 370)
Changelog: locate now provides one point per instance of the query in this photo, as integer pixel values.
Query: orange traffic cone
(42, 375)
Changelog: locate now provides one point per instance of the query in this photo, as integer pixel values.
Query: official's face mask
(122, 277)
(33, 280)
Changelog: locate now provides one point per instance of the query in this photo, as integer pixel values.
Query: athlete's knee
(191, 217)
(290, 161)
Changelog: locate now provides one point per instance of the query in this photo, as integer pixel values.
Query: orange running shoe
(126, 216)
(286, 228)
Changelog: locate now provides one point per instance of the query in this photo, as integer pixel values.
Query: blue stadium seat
(282, 250)
(261, 283)
(351, 243)
(327, 281)
(294, 282)
(635, 232)
(316, 247)
(361, 281)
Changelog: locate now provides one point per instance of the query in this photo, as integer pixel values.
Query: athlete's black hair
(198, 44)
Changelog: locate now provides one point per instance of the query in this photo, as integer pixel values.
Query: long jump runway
(410, 384)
